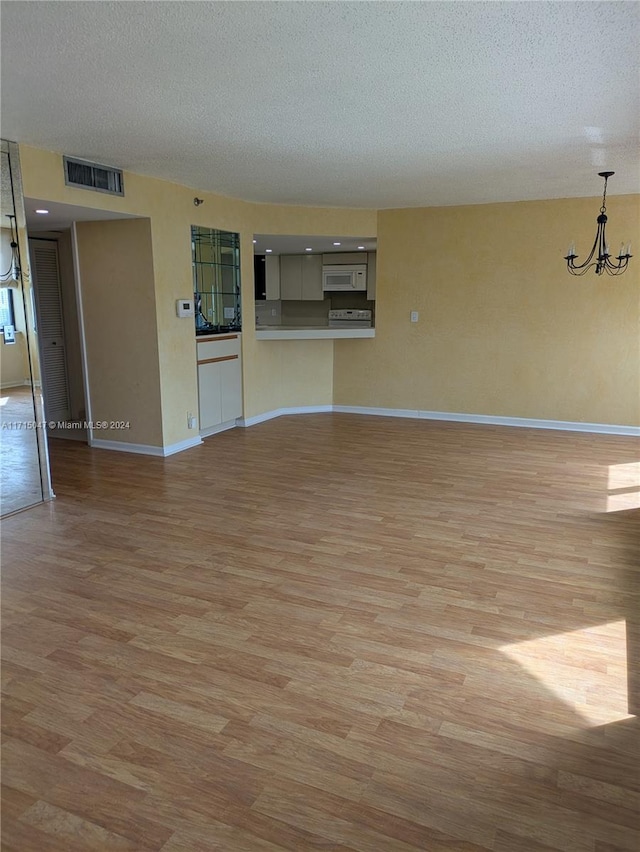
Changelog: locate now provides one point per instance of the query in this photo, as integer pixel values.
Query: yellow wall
(118, 304)
(273, 371)
(14, 361)
(503, 329)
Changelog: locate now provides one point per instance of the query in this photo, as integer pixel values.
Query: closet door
(46, 278)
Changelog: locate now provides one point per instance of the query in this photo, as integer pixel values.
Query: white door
(53, 360)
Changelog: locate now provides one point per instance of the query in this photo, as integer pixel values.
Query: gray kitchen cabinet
(340, 258)
(312, 277)
(371, 275)
(301, 277)
(290, 276)
(272, 277)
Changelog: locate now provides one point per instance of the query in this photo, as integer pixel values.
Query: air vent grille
(81, 173)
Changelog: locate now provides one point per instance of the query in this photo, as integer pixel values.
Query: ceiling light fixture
(360, 248)
(308, 249)
(268, 251)
(337, 244)
(42, 212)
(603, 263)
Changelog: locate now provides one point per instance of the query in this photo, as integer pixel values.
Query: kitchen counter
(310, 332)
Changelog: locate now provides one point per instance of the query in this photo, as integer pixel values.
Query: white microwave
(346, 277)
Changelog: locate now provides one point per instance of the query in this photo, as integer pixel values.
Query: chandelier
(12, 275)
(603, 261)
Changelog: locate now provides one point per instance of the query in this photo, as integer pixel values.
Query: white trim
(446, 416)
(147, 449)
(83, 341)
(68, 434)
(219, 427)
(494, 420)
(25, 383)
(377, 412)
(280, 412)
(187, 444)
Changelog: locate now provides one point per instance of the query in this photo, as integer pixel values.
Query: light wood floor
(327, 632)
(20, 484)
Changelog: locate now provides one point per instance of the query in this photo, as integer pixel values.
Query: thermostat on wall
(184, 307)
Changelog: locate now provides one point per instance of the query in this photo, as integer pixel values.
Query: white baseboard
(377, 412)
(494, 420)
(281, 412)
(68, 434)
(220, 427)
(147, 449)
(25, 383)
(446, 416)
(178, 447)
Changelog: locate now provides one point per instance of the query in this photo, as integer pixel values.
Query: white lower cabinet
(230, 390)
(219, 383)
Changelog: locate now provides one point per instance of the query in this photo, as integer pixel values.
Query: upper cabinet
(301, 277)
(272, 277)
(216, 279)
(371, 274)
(289, 268)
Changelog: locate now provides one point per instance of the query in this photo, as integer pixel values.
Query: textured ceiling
(365, 104)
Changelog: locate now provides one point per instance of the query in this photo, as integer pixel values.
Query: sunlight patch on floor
(623, 487)
(586, 669)
(4, 400)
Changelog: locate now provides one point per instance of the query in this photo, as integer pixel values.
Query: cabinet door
(272, 277)
(312, 277)
(290, 276)
(231, 389)
(210, 407)
(371, 274)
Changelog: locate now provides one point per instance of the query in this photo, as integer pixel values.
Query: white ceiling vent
(85, 175)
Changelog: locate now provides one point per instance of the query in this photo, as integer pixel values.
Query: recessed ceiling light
(268, 251)
(360, 247)
(42, 212)
(255, 241)
(337, 244)
(308, 249)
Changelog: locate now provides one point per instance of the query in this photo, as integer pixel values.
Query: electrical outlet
(191, 421)
(274, 312)
(414, 316)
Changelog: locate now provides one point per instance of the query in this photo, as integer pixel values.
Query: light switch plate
(414, 316)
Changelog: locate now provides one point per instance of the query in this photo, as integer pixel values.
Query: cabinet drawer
(227, 345)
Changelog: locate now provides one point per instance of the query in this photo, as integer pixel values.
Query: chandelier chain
(603, 209)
